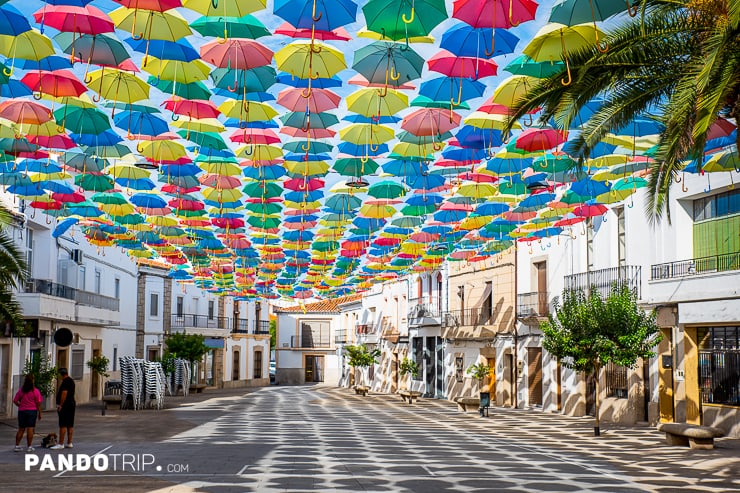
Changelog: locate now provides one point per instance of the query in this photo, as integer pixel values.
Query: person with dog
(28, 399)
(65, 409)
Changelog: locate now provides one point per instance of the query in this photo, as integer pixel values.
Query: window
(154, 305)
(719, 365)
(179, 306)
(257, 373)
(722, 204)
(115, 358)
(77, 366)
(314, 334)
(83, 273)
(29, 251)
(97, 281)
(418, 346)
(117, 288)
(210, 309)
(621, 237)
(152, 353)
(616, 381)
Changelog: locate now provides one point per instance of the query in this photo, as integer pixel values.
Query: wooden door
(534, 375)
(542, 306)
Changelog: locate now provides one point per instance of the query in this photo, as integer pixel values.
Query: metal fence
(719, 376)
(185, 320)
(533, 304)
(468, 317)
(261, 326)
(86, 298)
(604, 280)
(694, 266)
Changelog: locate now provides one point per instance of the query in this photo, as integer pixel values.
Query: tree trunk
(597, 402)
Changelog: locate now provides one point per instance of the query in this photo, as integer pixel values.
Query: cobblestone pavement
(327, 439)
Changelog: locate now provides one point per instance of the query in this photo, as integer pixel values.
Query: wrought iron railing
(695, 266)
(311, 340)
(340, 337)
(468, 317)
(421, 310)
(363, 328)
(77, 295)
(604, 279)
(191, 320)
(242, 326)
(261, 326)
(533, 304)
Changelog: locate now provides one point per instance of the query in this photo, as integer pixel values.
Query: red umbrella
(60, 141)
(299, 226)
(254, 136)
(450, 65)
(156, 5)
(494, 13)
(338, 34)
(59, 83)
(539, 139)
(303, 185)
(236, 53)
(228, 222)
(220, 181)
(430, 121)
(183, 204)
(74, 197)
(73, 19)
(23, 111)
(169, 188)
(314, 133)
(590, 210)
(194, 108)
(319, 100)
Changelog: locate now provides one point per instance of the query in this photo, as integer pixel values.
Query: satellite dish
(63, 337)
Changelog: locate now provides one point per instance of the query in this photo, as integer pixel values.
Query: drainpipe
(516, 332)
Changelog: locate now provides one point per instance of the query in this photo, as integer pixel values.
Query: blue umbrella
(50, 63)
(465, 40)
(463, 154)
(308, 196)
(271, 172)
(63, 226)
(56, 186)
(136, 122)
(478, 138)
(361, 150)
(148, 200)
(401, 167)
(136, 184)
(445, 88)
(105, 138)
(449, 216)
(425, 182)
(536, 201)
(179, 170)
(180, 50)
(325, 15)
(641, 126)
(491, 208)
(320, 83)
(15, 89)
(371, 119)
(508, 166)
(12, 22)
(424, 199)
(38, 166)
(589, 188)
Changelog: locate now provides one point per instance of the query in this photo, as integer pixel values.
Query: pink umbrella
(254, 136)
(494, 13)
(72, 19)
(338, 34)
(320, 100)
(60, 141)
(450, 65)
(236, 53)
(539, 139)
(303, 185)
(219, 181)
(590, 210)
(59, 83)
(430, 121)
(194, 108)
(314, 133)
(359, 80)
(156, 5)
(23, 111)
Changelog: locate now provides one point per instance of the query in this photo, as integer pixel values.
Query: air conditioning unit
(77, 255)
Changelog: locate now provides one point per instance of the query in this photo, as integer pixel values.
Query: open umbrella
(494, 13)
(324, 15)
(404, 19)
(388, 63)
(236, 53)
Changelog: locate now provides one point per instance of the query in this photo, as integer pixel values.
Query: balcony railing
(261, 326)
(77, 295)
(191, 320)
(695, 266)
(533, 304)
(363, 328)
(340, 337)
(604, 279)
(421, 310)
(308, 341)
(468, 317)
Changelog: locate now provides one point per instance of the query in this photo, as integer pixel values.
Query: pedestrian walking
(28, 399)
(65, 409)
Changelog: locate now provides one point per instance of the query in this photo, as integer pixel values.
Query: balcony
(243, 326)
(533, 304)
(363, 328)
(468, 324)
(366, 333)
(604, 279)
(422, 314)
(340, 337)
(262, 327)
(311, 341)
(45, 299)
(193, 321)
(693, 280)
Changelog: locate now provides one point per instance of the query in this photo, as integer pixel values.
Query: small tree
(479, 371)
(361, 357)
(408, 367)
(588, 332)
(273, 334)
(99, 366)
(44, 374)
(190, 347)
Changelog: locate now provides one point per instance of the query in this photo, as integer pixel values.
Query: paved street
(326, 439)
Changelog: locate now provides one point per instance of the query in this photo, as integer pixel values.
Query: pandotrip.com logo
(102, 462)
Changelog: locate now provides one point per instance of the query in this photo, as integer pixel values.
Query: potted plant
(361, 357)
(480, 371)
(407, 367)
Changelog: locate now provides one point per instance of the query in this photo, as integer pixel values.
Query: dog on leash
(49, 440)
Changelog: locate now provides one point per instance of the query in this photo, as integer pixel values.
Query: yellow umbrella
(83, 101)
(46, 129)
(29, 45)
(150, 24)
(372, 102)
(8, 129)
(289, 204)
(117, 209)
(247, 111)
(364, 33)
(161, 150)
(221, 168)
(128, 172)
(607, 160)
(117, 85)
(259, 152)
(477, 190)
(513, 88)
(420, 150)
(307, 168)
(474, 222)
(59, 175)
(202, 125)
(488, 121)
(366, 134)
(177, 70)
(310, 59)
(553, 42)
(377, 211)
(216, 195)
(224, 8)
(162, 221)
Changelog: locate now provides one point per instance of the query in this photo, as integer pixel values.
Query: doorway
(4, 377)
(235, 366)
(542, 302)
(314, 369)
(534, 375)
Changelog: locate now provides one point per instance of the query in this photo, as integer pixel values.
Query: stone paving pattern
(316, 438)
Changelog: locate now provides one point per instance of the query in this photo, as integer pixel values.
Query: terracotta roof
(323, 306)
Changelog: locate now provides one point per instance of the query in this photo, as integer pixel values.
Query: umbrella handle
(493, 41)
(214, 4)
(569, 80)
(314, 17)
(174, 117)
(393, 74)
(630, 11)
(511, 14)
(677, 179)
(139, 147)
(137, 37)
(409, 20)
(243, 124)
(251, 150)
(383, 92)
(48, 219)
(96, 97)
(226, 36)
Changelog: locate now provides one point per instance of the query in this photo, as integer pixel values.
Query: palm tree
(12, 273)
(678, 59)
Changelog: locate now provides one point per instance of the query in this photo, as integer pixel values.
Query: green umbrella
(193, 90)
(98, 49)
(129, 219)
(572, 12)
(523, 65)
(404, 19)
(109, 198)
(230, 27)
(264, 189)
(264, 209)
(258, 79)
(114, 151)
(299, 119)
(407, 221)
(406, 136)
(425, 102)
(83, 162)
(385, 62)
(552, 164)
(265, 222)
(204, 139)
(94, 182)
(386, 189)
(81, 120)
(418, 210)
(355, 166)
(343, 202)
(315, 146)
